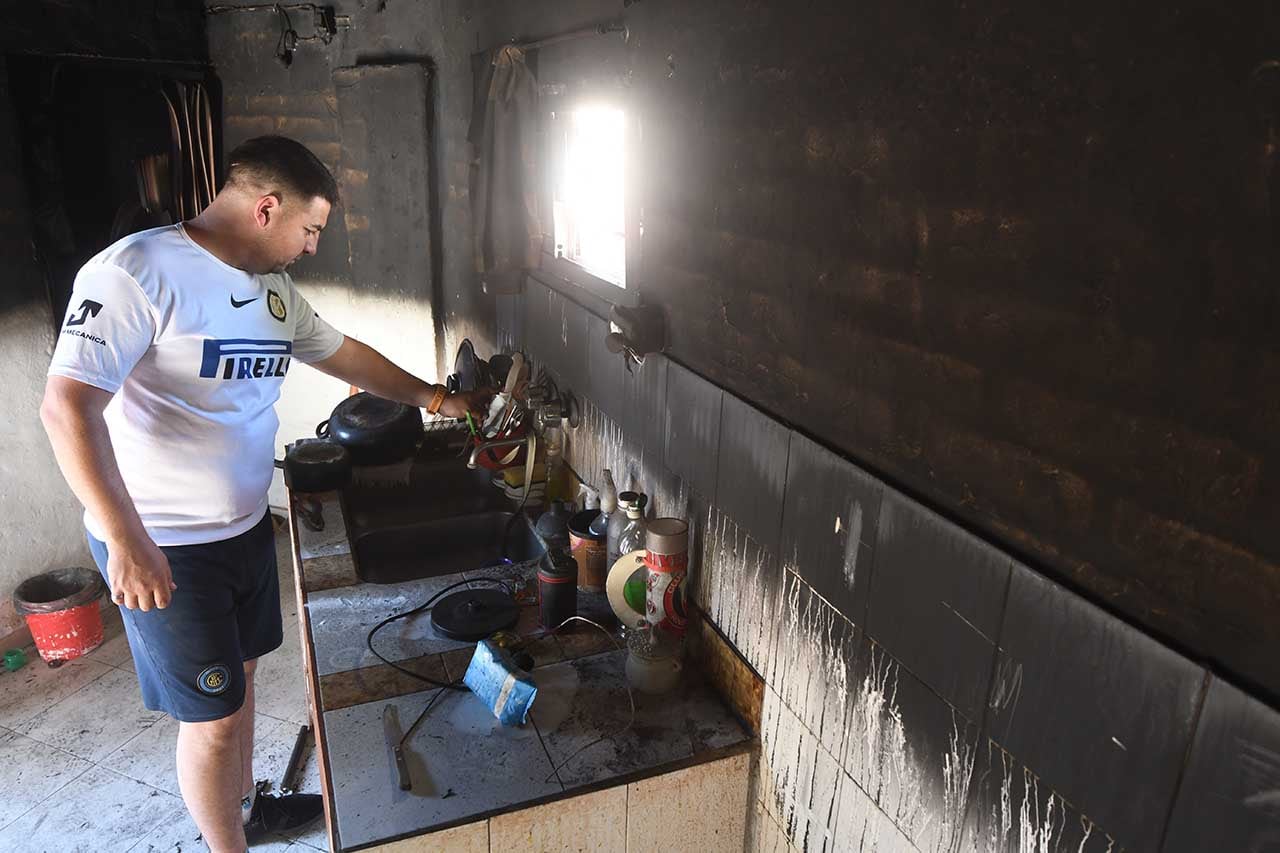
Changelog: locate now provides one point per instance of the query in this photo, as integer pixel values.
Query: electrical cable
(631, 696)
(422, 608)
(421, 716)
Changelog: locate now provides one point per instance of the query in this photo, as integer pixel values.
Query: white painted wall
(399, 328)
(40, 526)
(40, 519)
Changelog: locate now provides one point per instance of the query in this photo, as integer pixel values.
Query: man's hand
(475, 402)
(139, 575)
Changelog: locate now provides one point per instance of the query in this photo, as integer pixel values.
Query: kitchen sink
(443, 546)
(434, 489)
(435, 518)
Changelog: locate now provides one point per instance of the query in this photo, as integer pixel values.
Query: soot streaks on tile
(752, 469)
(740, 588)
(1073, 674)
(1228, 797)
(937, 595)
(830, 524)
(693, 428)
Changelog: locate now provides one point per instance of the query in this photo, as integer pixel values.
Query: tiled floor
(85, 767)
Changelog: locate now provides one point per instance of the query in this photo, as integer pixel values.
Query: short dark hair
(284, 167)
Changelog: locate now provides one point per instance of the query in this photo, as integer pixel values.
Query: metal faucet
(492, 445)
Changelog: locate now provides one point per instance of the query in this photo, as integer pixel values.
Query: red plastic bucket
(63, 611)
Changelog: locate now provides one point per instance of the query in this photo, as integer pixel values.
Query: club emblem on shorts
(214, 680)
(276, 305)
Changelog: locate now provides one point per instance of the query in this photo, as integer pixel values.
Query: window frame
(555, 271)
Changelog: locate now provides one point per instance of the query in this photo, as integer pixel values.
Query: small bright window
(589, 220)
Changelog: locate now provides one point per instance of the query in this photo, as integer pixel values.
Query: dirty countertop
(464, 764)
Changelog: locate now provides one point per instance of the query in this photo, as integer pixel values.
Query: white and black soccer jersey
(195, 352)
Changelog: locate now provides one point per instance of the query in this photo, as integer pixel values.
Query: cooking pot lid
(317, 451)
(367, 413)
(466, 367)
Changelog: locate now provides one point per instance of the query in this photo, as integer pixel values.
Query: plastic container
(63, 611)
(608, 505)
(632, 537)
(617, 521)
(667, 558)
(557, 589)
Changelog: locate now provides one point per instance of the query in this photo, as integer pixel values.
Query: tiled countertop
(464, 764)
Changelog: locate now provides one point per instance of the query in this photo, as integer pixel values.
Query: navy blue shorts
(226, 610)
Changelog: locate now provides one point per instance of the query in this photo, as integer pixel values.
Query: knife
(395, 742)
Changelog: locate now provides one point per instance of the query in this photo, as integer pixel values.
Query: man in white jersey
(159, 406)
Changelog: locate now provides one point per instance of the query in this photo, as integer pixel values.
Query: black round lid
(317, 452)
(365, 412)
(473, 614)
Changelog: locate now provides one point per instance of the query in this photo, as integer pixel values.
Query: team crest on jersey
(276, 305)
(214, 680)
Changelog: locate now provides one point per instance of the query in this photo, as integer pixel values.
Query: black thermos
(557, 588)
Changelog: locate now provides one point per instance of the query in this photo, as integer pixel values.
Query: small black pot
(316, 465)
(376, 431)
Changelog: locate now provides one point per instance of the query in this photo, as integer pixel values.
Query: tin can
(667, 558)
(588, 550)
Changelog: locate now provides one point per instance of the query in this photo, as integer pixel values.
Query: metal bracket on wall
(325, 23)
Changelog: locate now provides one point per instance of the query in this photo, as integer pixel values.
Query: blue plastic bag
(504, 688)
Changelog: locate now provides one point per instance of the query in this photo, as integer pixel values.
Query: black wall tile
(832, 511)
(1014, 811)
(693, 428)
(606, 372)
(752, 470)
(812, 661)
(535, 323)
(567, 340)
(509, 313)
(646, 406)
(937, 595)
(911, 751)
(555, 333)
(1096, 709)
(1228, 798)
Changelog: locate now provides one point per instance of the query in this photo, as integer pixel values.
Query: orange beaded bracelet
(438, 400)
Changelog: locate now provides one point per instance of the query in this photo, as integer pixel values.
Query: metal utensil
(395, 742)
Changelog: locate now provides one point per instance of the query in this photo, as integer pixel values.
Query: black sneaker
(275, 813)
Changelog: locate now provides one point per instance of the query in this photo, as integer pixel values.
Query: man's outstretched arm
(72, 415)
(363, 366)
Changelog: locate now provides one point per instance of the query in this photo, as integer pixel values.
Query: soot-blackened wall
(1018, 261)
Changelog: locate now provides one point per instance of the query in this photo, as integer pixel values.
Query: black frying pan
(375, 431)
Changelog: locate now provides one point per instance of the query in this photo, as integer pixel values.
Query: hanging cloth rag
(507, 235)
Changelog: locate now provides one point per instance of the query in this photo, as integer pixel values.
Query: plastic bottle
(617, 521)
(633, 533)
(608, 504)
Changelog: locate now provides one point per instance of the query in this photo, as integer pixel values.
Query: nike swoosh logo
(235, 303)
